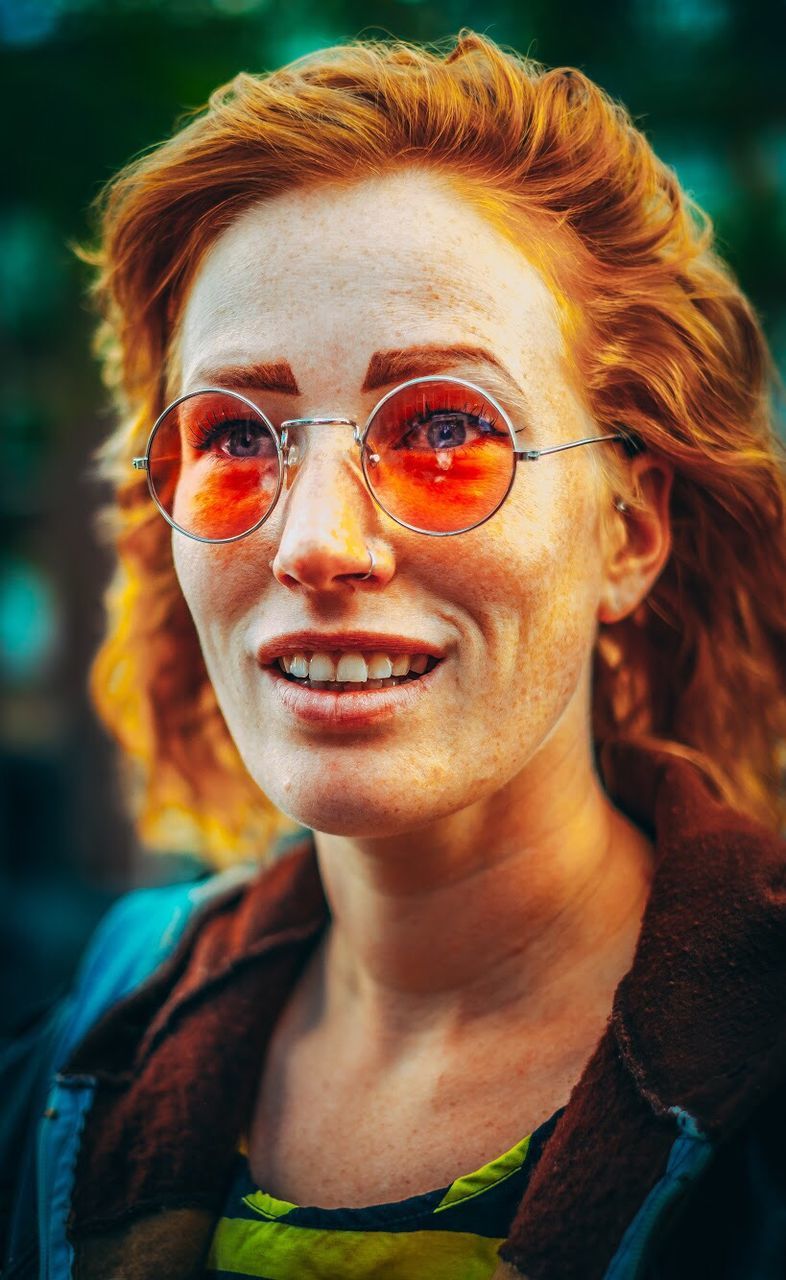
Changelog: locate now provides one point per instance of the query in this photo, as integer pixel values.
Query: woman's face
(323, 281)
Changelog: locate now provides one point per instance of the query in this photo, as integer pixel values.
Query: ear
(638, 540)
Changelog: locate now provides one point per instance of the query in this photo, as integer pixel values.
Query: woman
(466, 554)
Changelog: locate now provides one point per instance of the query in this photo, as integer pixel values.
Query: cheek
(550, 518)
(573, 587)
(192, 567)
(215, 591)
(545, 579)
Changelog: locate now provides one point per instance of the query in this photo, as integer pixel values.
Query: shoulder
(132, 940)
(137, 936)
(734, 1222)
(144, 926)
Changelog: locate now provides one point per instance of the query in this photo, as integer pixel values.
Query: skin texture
(481, 881)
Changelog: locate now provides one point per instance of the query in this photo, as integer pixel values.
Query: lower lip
(350, 710)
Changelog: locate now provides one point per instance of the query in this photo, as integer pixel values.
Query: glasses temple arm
(532, 455)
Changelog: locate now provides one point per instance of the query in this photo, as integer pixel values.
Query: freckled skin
(513, 602)
(471, 857)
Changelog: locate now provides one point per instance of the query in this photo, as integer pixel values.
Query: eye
(447, 428)
(233, 438)
(243, 438)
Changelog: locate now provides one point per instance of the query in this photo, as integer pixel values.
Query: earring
(620, 505)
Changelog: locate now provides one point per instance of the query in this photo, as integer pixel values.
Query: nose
(329, 521)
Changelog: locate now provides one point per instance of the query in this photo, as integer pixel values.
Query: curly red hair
(661, 337)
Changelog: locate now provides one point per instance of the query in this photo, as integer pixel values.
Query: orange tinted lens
(214, 465)
(439, 456)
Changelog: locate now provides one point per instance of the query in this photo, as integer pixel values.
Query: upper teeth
(355, 667)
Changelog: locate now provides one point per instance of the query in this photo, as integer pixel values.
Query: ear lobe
(639, 541)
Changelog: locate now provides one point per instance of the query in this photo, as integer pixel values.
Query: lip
(325, 642)
(350, 710)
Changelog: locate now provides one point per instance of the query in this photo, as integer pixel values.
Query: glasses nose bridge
(293, 452)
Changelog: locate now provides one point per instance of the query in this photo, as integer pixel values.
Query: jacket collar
(697, 1024)
(699, 1017)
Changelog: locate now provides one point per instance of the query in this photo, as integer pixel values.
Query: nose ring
(362, 577)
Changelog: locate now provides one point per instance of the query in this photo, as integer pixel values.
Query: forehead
(325, 276)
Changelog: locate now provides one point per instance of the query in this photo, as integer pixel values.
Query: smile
(353, 672)
(350, 704)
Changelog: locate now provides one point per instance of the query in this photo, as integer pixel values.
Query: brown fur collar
(697, 1023)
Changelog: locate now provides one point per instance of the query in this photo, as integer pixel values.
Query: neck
(527, 898)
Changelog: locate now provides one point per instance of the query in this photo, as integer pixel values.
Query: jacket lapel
(176, 1066)
(697, 1024)
(699, 1019)
(168, 1245)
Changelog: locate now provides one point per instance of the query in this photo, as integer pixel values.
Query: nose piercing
(362, 577)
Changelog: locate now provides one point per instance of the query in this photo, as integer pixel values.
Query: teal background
(86, 85)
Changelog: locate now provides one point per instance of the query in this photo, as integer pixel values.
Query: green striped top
(440, 1235)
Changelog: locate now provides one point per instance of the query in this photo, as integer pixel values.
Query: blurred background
(88, 83)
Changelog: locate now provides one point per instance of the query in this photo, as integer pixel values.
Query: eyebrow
(385, 369)
(272, 375)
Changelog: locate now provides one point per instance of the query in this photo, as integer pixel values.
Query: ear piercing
(620, 505)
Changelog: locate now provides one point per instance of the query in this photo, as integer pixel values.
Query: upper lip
(325, 641)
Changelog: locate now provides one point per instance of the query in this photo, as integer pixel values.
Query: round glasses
(438, 454)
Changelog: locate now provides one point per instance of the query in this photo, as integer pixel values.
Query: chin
(340, 813)
(346, 807)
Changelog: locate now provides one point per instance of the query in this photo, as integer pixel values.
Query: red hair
(661, 337)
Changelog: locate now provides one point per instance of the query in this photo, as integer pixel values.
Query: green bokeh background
(87, 84)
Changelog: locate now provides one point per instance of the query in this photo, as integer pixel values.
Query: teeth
(352, 669)
(380, 667)
(322, 667)
(299, 665)
(352, 666)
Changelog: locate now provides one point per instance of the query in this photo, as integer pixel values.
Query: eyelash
(212, 428)
(473, 414)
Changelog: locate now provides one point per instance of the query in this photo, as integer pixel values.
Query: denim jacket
(668, 1162)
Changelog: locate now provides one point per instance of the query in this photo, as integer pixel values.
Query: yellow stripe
(472, 1184)
(280, 1251)
(268, 1205)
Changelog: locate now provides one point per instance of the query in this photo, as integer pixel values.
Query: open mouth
(420, 666)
